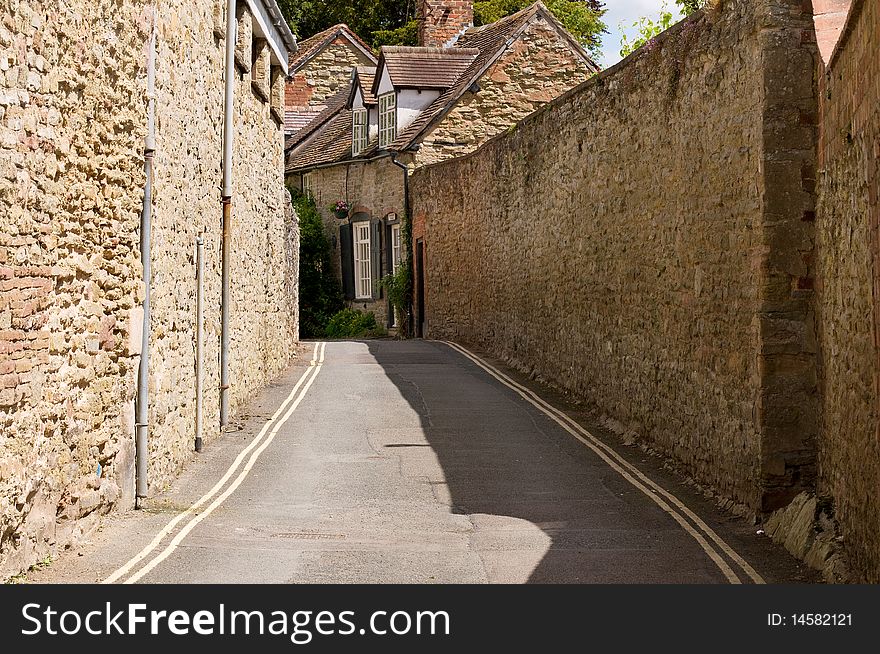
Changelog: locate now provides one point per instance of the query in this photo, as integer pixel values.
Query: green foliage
(406, 35)
(392, 22)
(320, 294)
(365, 17)
(351, 323)
(399, 289)
(583, 18)
(647, 30)
(690, 6)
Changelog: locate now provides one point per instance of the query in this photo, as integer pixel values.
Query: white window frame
(359, 131)
(387, 119)
(395, 248)
(363, 262)
(309, 185)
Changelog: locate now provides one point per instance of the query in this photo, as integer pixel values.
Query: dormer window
(359, 134)
(387, 119)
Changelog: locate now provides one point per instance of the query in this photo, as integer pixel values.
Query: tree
(365, 17)
(320, 294)
(648, 28)
(690, 6)
(392, 22)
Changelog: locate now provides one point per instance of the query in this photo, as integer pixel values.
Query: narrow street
(408, 462)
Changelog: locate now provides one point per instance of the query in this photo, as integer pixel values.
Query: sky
(627, 12)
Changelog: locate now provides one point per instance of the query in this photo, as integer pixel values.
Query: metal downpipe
(200, 338)
(142, 453)
(226, 201)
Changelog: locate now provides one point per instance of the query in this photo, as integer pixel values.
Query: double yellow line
(260, 442)
(711, 543)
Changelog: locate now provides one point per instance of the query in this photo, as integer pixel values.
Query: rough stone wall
(538, 67)
(189, 111)
(627, 243)
(325, 74)
(848, 217)
(72, 128)
(72, 124)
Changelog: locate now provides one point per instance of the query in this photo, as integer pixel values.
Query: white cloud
(625, 13)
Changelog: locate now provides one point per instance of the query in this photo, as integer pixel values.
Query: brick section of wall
(72, 127)
(72, 124)
(324, 75)
(538, 67)
(440, 21)
(621, 244)
(848, 219)
(830, 17)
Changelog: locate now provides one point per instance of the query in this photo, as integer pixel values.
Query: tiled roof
(314, 44)
(296, 119)
(320, 115)
(330, 144)
(425, 68)
(365, 76)
(488, 41)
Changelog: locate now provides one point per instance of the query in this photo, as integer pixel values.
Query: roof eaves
(460, 89)
(328, 36)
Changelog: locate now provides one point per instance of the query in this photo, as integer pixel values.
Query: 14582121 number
(809, 620)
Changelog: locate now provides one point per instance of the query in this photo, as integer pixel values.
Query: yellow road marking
(314, 365)
(628, 472)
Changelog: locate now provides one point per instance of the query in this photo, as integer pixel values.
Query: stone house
(416, 106)
(320, 67)
(111, 157)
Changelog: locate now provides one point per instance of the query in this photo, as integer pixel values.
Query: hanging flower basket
(340, 209)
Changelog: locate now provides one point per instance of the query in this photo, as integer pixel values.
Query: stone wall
(189, 110)
(72, 128)
(644, 242)
(538, 67)
(72, 123)
(325, 74)
(848, 218)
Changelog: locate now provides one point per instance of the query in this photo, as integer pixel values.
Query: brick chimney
(442, 21)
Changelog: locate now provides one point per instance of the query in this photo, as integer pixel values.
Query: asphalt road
(409, 462)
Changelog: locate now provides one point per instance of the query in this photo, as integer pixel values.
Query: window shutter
(346, 253)
(376, 257)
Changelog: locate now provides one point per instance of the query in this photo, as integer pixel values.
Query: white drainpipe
(142, 403)
(226, 201)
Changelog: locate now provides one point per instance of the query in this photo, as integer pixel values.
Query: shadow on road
(502, 458)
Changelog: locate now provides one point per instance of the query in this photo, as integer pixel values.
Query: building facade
(319, 69)
(80, 86)
(417, 106)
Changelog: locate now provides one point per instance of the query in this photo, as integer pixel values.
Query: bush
(351, 323)
(320, 293)
(398, 287)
